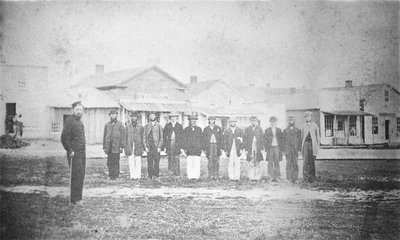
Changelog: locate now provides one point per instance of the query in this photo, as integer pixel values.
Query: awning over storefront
(347, 113)
(157, 107)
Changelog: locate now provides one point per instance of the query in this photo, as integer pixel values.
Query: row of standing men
(133, 139)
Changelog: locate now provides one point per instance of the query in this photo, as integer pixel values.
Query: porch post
(358, 129)
(347, 130)
(334, 134)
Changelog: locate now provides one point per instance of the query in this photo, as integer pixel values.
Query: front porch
(342, 128)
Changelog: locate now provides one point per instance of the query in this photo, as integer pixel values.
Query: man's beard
(78, 115)
(153, 120)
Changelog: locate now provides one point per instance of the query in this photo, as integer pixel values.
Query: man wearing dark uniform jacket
(212, 145)
(73, 141)
(173, 140)
(113, 143)
(291, 147)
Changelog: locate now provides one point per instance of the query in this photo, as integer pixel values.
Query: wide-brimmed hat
(253, 118)
(307, 114)
(173, 114)
(232, 119)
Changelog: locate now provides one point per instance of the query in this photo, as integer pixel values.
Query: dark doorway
(11, 111)
(387, 122)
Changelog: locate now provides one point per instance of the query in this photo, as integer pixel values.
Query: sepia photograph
(258, 120)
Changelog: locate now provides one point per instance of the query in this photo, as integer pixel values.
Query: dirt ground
(351, 200)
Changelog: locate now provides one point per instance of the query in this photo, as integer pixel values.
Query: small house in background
(367, 114)
(271, 101)
(22, 93)
(221, 100)
(96, 108)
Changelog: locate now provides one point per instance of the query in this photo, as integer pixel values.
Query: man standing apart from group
(273, 146)
(173, 134)
(233, 140)
(74, 142)
(133, 146)
(192, 145)
(153, 142)
(212, 138)
(254, 143)
(291, 148)
(113, 143)
(310, 147)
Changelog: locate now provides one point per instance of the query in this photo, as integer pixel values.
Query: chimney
(349, 83)
(99, 68)
(193, 79)
(292, 90)
(268, 85)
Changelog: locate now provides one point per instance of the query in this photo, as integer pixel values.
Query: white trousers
(234, 164)
(135, 166)
(254, 172)
(193, 167)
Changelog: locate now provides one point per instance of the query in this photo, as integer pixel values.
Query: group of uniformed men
(133, 139)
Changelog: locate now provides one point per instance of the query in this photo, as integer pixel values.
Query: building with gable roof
(366, 114)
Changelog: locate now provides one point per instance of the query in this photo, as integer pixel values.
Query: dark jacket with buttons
(134, 139)
(207, 133)
(230, 137)
(249, 134)
(193, 137)
(291, 139)
(114, 136)
(168, 130)
(73, 134)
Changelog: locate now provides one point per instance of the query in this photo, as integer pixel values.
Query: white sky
(316, 44)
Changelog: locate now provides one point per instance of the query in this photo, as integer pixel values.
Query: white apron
(234, 164)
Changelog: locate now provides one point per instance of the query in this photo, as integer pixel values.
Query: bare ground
(351, 200)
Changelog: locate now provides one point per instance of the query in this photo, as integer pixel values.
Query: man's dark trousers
(77, 168)
(153, 157)
(309, 162)
(113, 164)
(292, 166)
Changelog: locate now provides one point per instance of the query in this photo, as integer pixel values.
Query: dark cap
(152, 112)
(134, 114)
(113, 111)
(273, 119)
(74, 104)
(212, 118)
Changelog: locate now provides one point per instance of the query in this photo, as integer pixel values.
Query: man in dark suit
(173, 139)
(254, 143)
(153, 142)
(233, 144)
(133, 146)
(212, 140)
(74, 142)
(113, 143)
(273, 145)
(291, 147)
(193, 137)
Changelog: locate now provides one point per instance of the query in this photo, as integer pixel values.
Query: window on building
(398, 124)
(353, 126)
(374, 125)
(55, 127)
(329, 126)
(386, 96)
(21, 84)
(362, 103)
